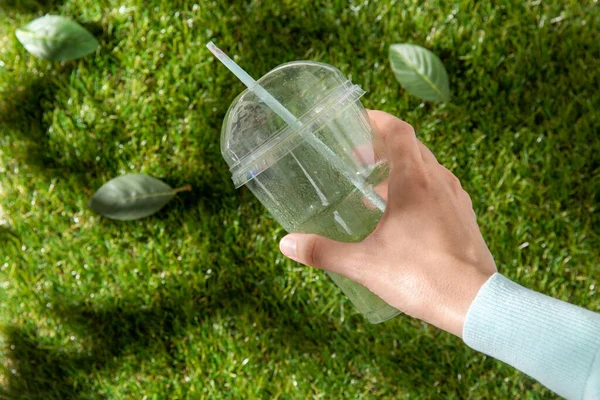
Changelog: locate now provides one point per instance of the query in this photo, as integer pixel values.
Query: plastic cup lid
(254, 137)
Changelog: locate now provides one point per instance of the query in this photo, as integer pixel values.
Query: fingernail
(287, 245)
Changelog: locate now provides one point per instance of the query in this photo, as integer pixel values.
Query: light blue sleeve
(554, 342)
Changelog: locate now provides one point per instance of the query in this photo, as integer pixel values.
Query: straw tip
(215, 50)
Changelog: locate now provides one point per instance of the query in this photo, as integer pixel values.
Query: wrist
(454, 312)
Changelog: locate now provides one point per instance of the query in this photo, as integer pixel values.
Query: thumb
(320, 252)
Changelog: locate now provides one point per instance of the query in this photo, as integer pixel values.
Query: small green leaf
(132, 196)
(420, 72)
(56, 38)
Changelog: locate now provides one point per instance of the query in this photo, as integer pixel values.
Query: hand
(426, 257)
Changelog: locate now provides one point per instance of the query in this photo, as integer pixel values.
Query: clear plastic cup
(317, 174)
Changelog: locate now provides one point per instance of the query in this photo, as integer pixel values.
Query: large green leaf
(56, 38)
(132, 196)
(420, 72)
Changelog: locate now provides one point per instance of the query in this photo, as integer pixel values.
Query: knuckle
(314, 252)
(453, 181)
(467, 198)
(402, 127)
(419, 178)
(456, 184)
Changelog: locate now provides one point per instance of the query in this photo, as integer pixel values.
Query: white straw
(250, 83)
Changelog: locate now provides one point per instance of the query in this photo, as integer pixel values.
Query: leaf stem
(186, 188)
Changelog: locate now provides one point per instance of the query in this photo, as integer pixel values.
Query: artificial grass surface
(196, 301)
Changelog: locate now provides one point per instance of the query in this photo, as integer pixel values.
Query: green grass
(196, 301)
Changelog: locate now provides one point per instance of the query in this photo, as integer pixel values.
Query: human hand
(426, 257)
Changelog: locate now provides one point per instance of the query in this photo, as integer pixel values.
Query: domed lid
(254, 136)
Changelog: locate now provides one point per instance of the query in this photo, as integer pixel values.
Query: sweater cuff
(554, 342)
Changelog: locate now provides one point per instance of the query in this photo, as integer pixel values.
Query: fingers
(378, 122)
(385, 124)
(320, 252)
(399, 137)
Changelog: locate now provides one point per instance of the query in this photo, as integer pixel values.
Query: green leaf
(56, 38)
(420, 72)
(132, 196)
